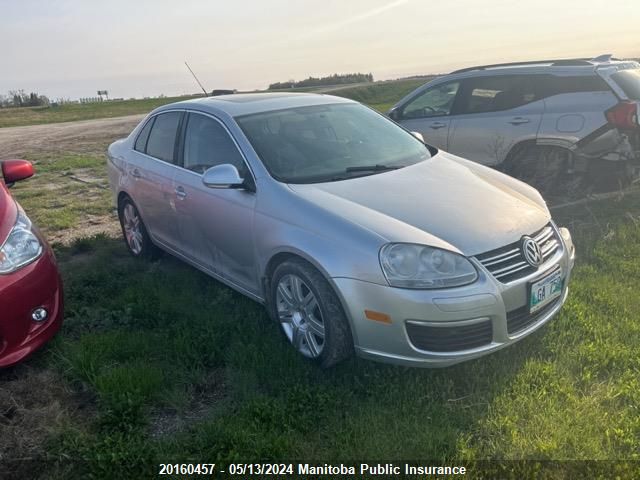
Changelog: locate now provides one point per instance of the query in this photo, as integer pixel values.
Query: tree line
(335, 79)
(19, 98)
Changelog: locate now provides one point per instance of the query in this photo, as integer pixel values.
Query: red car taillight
(623, 115)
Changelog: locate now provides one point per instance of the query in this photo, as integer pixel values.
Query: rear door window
(162, 139)
(629, 82)
(494, 94)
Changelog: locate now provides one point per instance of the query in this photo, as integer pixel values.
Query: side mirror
(223, 176)
(418, 135)
(16, 170)
(395, 114)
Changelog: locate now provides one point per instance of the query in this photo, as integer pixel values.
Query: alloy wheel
(132, 229)
(300, 315)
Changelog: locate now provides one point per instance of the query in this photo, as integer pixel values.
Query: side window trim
(185, 124)
(463, 94)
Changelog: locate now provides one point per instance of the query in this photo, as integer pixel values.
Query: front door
(216, 224)
(428, 113)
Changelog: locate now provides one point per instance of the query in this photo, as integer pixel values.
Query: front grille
(508, 263)
(450, 339)
(520, 318)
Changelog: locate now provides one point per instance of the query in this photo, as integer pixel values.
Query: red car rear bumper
(37, 285)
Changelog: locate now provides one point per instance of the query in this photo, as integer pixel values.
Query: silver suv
(552, 123)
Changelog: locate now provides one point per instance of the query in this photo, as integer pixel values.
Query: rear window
(629, 82)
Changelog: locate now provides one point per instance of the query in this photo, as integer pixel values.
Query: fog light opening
(39, 315)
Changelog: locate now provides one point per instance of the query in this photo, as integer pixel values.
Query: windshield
(329, 142)
(629, 81)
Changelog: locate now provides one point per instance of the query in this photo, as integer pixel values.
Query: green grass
(383, 95)
(161, 340)
(380, 95)
(68, 188)
(15, 117)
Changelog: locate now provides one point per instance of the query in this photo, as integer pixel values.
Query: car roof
(240, 104)
(573, 66)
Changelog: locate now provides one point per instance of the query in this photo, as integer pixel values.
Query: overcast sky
(135, 48)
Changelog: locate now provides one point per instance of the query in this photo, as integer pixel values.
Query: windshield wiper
(371, 168)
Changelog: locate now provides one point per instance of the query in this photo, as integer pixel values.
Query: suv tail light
(623, 115)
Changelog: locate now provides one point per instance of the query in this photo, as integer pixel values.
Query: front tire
(134, 231)
(310, 313)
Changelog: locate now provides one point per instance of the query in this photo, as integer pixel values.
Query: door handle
(180, 193)
(437, 125)
(135, 173)
(519, 121)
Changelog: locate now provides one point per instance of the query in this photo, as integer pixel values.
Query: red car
(30, 286)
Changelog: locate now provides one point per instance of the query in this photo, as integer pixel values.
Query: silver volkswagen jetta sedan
(353, 233)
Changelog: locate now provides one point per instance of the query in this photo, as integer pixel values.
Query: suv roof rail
(558, 62)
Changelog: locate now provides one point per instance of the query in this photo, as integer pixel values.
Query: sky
(137, 48)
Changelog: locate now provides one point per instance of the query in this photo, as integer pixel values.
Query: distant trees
(335, 79)
(18, 98)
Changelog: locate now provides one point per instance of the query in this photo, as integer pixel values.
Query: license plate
(545, 290)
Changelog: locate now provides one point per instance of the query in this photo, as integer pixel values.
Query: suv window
(433, 102)
(549, 85)
(493, 94)
(141, 141)
(207, 144)
(162, 139)
(629, 82)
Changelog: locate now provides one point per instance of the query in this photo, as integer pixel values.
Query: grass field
(158, 363)
(71, 112)
(380, 95)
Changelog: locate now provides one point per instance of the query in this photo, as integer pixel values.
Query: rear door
(153, 169)
(492, 114)
(428, 112)
(216, 224)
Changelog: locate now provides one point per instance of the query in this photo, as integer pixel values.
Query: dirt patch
(87, 137)
(34, 403)
(84, 138)
(88, 226)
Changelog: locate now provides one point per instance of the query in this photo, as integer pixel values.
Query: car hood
(445, 201)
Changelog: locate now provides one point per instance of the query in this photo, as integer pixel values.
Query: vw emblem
(531, 251)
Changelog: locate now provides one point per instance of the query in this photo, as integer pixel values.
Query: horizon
(70, 49)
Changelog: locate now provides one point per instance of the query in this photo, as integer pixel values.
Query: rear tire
(546, 169)
(309, 313)
(134, 231)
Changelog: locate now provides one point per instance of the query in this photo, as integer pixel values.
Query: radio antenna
(194, 76)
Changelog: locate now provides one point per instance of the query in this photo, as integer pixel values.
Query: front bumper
(486, 303)
(38, 285)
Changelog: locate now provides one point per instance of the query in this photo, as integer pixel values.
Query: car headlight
(568, 241)
(407, 265)
(21, 246)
